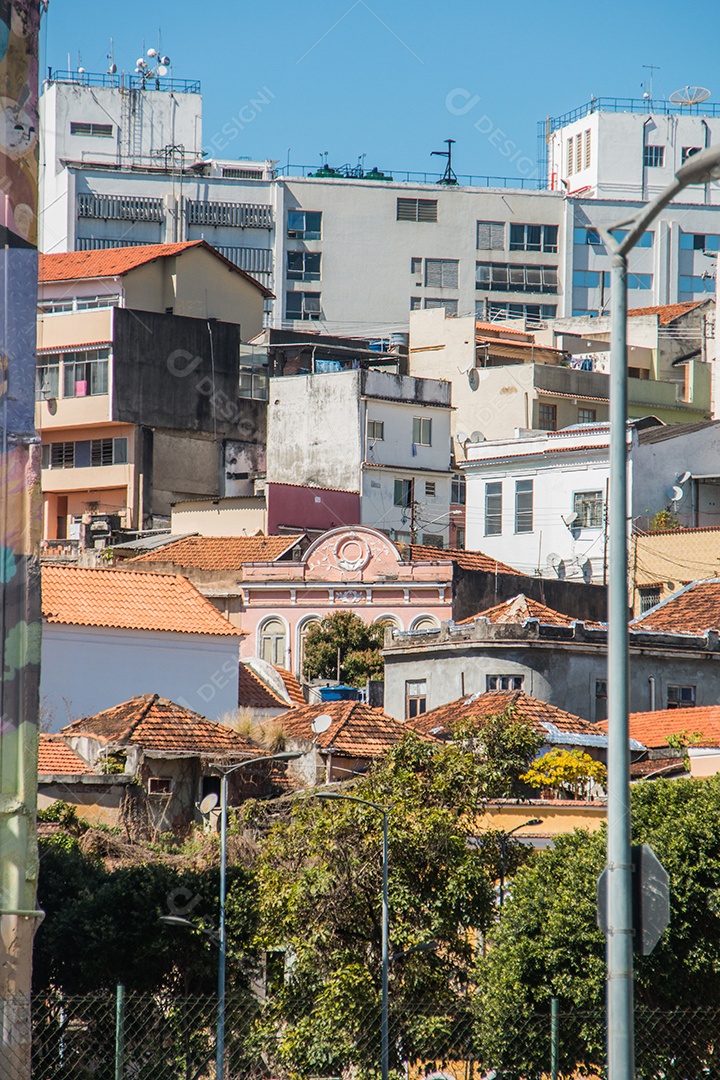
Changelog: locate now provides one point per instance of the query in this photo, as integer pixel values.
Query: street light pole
(225, 771)
(504, 836)
(701, 168)
(384, 1014)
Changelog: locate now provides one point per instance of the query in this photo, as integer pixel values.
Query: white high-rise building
(355, 252)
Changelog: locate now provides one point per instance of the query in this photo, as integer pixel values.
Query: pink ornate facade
(347, 569)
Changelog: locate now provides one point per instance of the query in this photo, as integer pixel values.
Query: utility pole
(19, 531)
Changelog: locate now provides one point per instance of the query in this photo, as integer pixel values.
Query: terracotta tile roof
(440, 722)
(501, 329)
(356, 730)
(114, 262)
(155, 723)
(218, 552)
(518, 610)
(292, 685)
(693, 610)
(468, 560)
(253, 693)
(652, 728)
(56, 758)
(640, 770)
(73, 595)
(667, 313)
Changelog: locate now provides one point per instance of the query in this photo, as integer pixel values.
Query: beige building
(663, 562)
(142, 396)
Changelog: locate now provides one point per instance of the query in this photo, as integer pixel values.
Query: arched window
(305, 629)
(424, 622)
(273, 642)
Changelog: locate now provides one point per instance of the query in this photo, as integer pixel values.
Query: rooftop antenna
(648, 86)
(146, 71)
(690, 95)
(112, 67)
(448, 177)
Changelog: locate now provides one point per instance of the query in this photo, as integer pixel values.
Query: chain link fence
(169, 1037)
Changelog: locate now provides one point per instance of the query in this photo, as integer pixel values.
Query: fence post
(554, 1037)
(119, 1031)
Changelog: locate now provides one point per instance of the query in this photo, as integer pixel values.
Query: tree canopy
(357, 643)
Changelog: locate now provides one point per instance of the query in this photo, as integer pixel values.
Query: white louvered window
(441, 273)
(417, 209)
(491, 235)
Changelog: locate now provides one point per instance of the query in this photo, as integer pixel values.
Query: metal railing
(631, 105)
(130, 82)
(399, 176)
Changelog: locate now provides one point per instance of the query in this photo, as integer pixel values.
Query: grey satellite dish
(321, 723)
(675, 493)
(162, 70)
(473, 378)
(461, 437)
(112, 69)
(570, 519)
(477, 436)
(209, 803)
(152, 53)
(684, 477)
(165, 61)
(690, 95)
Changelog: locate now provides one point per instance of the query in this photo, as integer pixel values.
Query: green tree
(357, 643)
(319, 880)
(548, 944)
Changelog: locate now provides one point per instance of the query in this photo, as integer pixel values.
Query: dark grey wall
(181, 374)
(475, 591)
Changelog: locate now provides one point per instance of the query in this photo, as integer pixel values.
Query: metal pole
(119, 1031)
(501, 895)
(385, 1034)
(220, 1041)
(554, 1037)
(621, 1050)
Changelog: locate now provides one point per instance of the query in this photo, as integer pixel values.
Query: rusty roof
(356, 730)
(55, 758)
(467, 560)
(667, 313)
(157, 724)
(114, 262)
(653, 728)
(440, 722)
(695, 609)
(74, 595)
(518, 610)
(218, 552)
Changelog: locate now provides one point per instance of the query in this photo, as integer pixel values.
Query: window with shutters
(578, 153)
(491, 235)
(451, 306)
(417, 209)
(493, 508)
(98, 131)
(62, 455)
(441, 273)
(588, 155)
(534, 238)
(415, 303)
(416, 267)
(429, 489)
(108, 452)
(523, 506)
(422, 431)
(589, 508)
(273, 642)
(570, 157)
(502, 277)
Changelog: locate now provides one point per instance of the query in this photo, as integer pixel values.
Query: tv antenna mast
(648, 86)
(448, 177)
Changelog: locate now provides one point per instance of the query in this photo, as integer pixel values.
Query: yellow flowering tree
(571, 773)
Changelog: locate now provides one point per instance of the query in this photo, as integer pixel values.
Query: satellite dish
(81, 71)
(554, 560)
(570, 519)
(477, 436)
(162, 70)
(690, 95)
(462, 438)
(473, 378)
(152, 53)
(112, 69)
(209, 803)
(675, 493)
(684, 477)
(321, 723)
(165, 60)
(140, 62)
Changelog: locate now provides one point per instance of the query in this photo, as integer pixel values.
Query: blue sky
(378, 76)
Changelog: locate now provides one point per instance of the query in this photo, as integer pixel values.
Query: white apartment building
(538, 501)
(360, 448)
(123, 164)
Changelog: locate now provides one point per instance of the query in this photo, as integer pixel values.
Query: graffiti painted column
(19, 527)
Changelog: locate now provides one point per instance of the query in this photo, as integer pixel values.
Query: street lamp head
(534, 821)
(701, 168)
(176, 920)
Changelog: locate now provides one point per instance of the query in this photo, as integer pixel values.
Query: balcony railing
(132, 82)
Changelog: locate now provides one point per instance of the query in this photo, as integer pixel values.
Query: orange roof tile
(356, 730)
(501, 329)
(254, 693)
(440, 722)
(667, 313)
(114, 262)
(218, 552)
(55, 758)
(292, 685)
(73, 595)
(155, 723)
(468, 560)
(652, 728)
(518, 610)
(693, 610)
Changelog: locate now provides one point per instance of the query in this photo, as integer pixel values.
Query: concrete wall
(97, 799)
(670, 559)
(301, 508)
(88, 669)
(477, 590)
(231, 516)
(563, 675)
